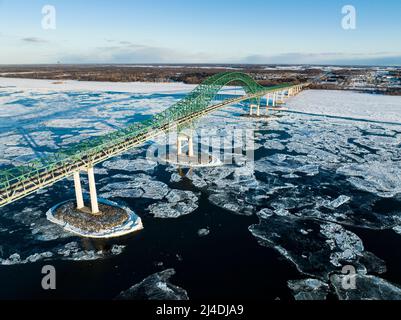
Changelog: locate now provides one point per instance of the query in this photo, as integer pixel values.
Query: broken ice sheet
(177, 203)
(232, 202)
(33, 217)
(309, 289)
(316, 248)
(203, 232)
(70, 251)
(381, 178)
(138, 164)
(367, 287)
(139, 186)
(285, 164)
(307, 202)
(175, 177)
(338, 202)
(236, 193)
(155, 287)
(196, 180)
(275, 145)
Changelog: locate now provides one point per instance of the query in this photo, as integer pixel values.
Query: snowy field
(72, 85)
(314, 179)
(349, 104)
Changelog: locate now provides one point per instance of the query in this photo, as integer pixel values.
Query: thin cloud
(135, 53)
(34, 40)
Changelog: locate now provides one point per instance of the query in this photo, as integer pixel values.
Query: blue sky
(186, 31)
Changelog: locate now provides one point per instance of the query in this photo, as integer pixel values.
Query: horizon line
(223, 64)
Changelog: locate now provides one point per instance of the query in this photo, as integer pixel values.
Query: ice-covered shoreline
(348, 104)
(74, 85)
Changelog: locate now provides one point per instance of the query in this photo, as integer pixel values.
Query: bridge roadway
(25, 187)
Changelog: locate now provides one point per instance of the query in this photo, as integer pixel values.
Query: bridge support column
(281, 97)
(190, 140)
(179, 146)
(78, 190)
(274, 99)
(190, 146)
(257, 106)
(92, 191)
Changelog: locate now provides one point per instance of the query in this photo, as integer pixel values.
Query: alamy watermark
(49, 17)
(208, 146)
(49, 280)
(348, 281)
(348, 21)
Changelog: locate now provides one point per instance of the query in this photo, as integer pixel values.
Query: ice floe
(137, 164)
(309, 289)
(155, 287)
(139, 186)
(203, 232)
(382, 178)
(315, 248)
(69, 251)
(177, 203)
(367, 287)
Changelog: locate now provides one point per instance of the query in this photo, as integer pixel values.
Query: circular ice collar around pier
(114, 220)
(197, 161)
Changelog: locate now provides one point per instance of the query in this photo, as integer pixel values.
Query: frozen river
(324, 192)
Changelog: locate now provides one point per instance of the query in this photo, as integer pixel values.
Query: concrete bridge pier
(267, 102)
(191, 152)
(257, 106)
(281, 97)
(193, 157)
(179, 146)
(92, 191)
(274, 99)
(112, 221)
(78, 190)
(184, 137)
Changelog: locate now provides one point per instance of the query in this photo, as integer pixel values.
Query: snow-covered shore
(360, 106)
(72, 85)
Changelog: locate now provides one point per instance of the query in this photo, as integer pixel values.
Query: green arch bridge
(19, 182)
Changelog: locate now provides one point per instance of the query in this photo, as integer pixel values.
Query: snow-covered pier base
(112, 221)
(195, 161)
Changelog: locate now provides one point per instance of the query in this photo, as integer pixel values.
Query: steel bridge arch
(199, 99)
